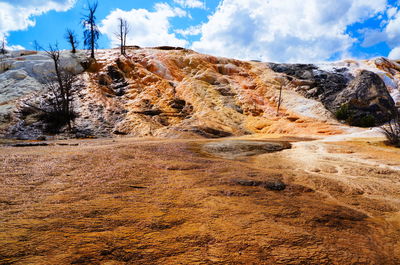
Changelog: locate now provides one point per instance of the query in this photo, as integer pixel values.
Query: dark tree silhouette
(91, 32)
(70, 36)
(61, 86)
(3, 46)
(57, 108)
(36, 45)
(123, 30)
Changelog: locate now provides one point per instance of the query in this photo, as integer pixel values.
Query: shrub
(363, 121)
(392, 132)
(343, 112)
(55, 120)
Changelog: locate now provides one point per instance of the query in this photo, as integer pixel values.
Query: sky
(267, 30)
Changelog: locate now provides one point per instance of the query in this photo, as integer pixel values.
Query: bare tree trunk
(62, 88)
(125, 35)
(92, 41)
(279, 100)
(37, 45)
(73, 48)
(3, 46)
(91, 32)
(121, 33)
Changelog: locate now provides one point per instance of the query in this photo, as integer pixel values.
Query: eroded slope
(183, 93)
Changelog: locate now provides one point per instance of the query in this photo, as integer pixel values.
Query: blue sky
(50, 26)
(268, 30)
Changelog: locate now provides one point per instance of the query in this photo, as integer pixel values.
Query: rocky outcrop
(363, 100)
(315, 83)
(181, 93)
(174, 92)
(366, 97)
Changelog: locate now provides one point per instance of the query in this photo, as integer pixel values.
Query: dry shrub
(56, 108)
(392, 132)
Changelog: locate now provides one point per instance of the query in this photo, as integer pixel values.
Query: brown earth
(130, 201)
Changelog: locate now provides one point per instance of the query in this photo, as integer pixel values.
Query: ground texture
(128, 201)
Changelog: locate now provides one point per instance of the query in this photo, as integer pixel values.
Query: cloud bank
(267, 30)
(19, 14)
(285, 30)
(191, 3)
(147, 28)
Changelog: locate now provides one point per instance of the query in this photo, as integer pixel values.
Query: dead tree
(279, 100)
(392, 131)
(57, 108)
(36, 45)
(91, 32)
(4, 65)
(70, 36)
(123, 30)
(126, 31)
(3, 46)
(61, 86)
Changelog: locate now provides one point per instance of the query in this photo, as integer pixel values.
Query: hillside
(296, 186)
(174, 92)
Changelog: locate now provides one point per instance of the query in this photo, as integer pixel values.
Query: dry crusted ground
(128, 201)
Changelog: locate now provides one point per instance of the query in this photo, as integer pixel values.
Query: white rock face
(20, 74)
(306, 106)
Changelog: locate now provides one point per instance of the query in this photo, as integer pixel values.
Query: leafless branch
(122, 34)
(70, 36)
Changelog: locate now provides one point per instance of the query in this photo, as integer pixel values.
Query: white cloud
(10, 47)
(390, 33)
(147, 28)
(391, 12)
(372, 37)
(18, 14)
(284, 30)
(191, 3)
(15, 48)
(392, 29)
(395, 54)
(191, 31)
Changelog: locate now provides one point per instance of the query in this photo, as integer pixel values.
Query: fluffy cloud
(389, 33)
(392, 35)
(395, 54)
(147, 28)
(372, 37)
(284, 30)
(18, 14)
(392, 29)
(10, 47)
(191, 3)
(191, 31)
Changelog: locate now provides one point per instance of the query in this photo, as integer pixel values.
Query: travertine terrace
(144, 201)
(293, 186)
